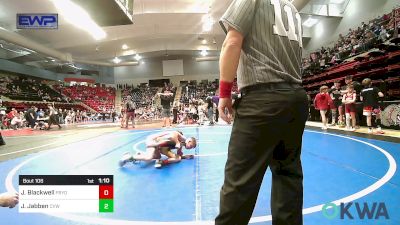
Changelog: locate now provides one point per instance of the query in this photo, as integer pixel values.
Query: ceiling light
(138, 57)
(124, 46)
(77, 16)
(203, 52)
(208, 23)
(204, 41)
(116, 60)
(336, 1)
(310, 22)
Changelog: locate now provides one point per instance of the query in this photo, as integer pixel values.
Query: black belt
(270, 86)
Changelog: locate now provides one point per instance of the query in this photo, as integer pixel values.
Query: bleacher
(378, 61)
(142, 96)
(99, 98)
(197, 91)
(26, 88)
(23, 106)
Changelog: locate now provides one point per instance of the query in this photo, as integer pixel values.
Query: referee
(270, 114)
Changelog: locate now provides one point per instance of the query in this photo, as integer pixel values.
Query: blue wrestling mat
(337, 168)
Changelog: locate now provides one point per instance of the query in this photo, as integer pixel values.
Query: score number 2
(279, 27)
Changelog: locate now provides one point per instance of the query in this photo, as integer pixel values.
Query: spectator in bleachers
(356, 41)
(383, 35)
(99, 98)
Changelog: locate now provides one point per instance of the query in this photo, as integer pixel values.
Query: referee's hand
(225, 104)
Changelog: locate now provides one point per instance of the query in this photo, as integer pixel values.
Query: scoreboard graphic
(66, 193)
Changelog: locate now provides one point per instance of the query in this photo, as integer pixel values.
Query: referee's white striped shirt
(272, 46)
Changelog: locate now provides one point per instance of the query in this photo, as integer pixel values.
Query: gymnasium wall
(327, 31)
(106, 74)
(152, 69)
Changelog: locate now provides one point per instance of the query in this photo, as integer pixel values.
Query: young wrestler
(336, 97)
(349, 100)
(322, 102)
(162, 144)
(370, 97)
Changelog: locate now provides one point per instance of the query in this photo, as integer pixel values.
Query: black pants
(31, 122)
(267, 132)
(2, 142)
(175, 113)
(53, 120)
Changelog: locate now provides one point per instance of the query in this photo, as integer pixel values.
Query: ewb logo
(37, 21)
(364, 211)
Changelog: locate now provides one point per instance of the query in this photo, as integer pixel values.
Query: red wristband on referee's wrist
(225, 89)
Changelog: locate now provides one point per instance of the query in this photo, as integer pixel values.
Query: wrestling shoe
(158, 164)
(127, 157)
(379, 131)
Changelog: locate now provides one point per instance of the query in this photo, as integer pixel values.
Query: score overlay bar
(66, 193)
